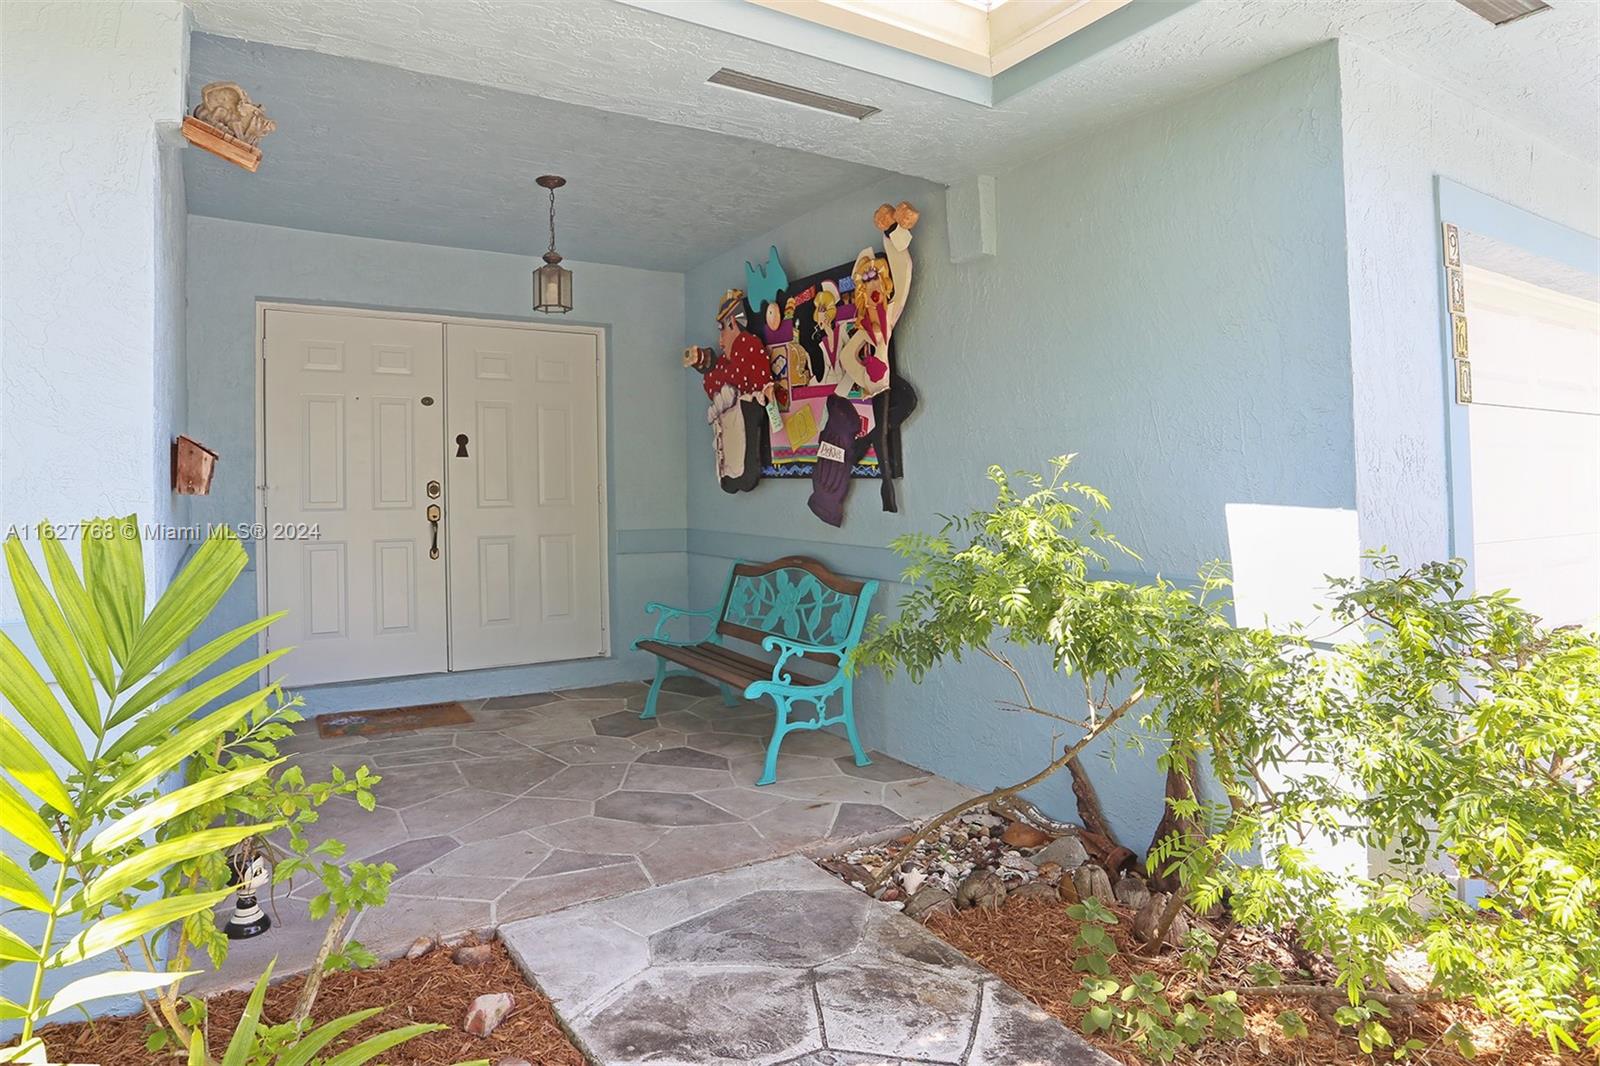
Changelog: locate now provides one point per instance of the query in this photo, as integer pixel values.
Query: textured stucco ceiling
(1539, 73)
(376, 151)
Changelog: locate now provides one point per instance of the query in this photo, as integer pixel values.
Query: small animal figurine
(228, 107)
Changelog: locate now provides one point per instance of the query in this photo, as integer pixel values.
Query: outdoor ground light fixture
(552, 283)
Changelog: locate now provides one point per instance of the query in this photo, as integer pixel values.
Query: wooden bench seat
(811, 616)
(719, 663)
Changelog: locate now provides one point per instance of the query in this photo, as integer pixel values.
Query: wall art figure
(827, 401)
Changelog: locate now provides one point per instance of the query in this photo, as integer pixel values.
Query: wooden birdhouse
(192, 466)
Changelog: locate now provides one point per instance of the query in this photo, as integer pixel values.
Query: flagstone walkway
(547, 800)
(776, 964)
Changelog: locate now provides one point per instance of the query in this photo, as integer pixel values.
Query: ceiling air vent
(1501, 12)
(793, 94)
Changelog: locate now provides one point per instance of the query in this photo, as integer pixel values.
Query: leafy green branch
(129, 808)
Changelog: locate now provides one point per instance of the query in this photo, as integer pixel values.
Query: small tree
(1033, 574)
(130, 811)
(1451, 732)
(1459, 738)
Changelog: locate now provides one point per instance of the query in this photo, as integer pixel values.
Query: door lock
(433, 523)
(433, 490)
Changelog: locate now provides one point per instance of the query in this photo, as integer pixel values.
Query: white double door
(432, 494)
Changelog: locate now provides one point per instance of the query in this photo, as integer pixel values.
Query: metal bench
(795, 606)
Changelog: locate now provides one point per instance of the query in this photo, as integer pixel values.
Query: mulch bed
(1030, 944)
(430, 988)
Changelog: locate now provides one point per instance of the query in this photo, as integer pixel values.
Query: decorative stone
(487, 1012)
(1023, 835)
(767, 928)
(705, 1015)
(1016, 863)
(983, 889)
(901, 1012)
(1067, 852)
(513, 1062)
(929, 900)
(419, 947)
(473, 955)
(1034, 890)
(911, 879)
(1148, 920)
(1091, 882)
(1131, 891)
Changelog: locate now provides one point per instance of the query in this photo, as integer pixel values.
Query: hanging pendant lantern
(552, 283)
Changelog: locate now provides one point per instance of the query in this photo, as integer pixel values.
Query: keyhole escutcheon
(461, 446)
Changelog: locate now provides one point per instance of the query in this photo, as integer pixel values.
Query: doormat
(397, 720)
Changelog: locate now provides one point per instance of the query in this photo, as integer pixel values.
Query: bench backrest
(797, 598)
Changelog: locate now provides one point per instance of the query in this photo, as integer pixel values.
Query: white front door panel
(350, 448)
(523, 501)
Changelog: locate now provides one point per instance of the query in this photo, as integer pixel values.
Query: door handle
(433, 523)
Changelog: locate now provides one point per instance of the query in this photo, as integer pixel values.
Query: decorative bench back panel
(793, 597)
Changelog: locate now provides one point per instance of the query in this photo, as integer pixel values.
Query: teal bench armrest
(790, 649)
(668, 613)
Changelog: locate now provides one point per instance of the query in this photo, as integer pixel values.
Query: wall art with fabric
(827, 402)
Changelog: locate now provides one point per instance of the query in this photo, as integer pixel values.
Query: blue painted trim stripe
(1476, 212)
(873, 57)
(824, 42)
(1471, 210)
(651, 541)
(1103, 33)
(858, 560)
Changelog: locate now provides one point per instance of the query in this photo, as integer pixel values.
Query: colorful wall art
(832, 404)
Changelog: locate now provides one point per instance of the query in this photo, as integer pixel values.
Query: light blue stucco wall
(90, 313)
(91, 289)
(234, 264)
(1167, 300)
(1400, 133)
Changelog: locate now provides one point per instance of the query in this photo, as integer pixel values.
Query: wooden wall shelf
(221, 143)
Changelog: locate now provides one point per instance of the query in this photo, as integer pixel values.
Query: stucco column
(91, 262)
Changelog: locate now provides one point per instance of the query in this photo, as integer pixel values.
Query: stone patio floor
(776, 964)
(544, 801)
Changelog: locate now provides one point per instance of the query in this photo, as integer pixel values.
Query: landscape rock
(911, 879)
(1014, 863)
(1023, 835)
(473, 955)
(1066, 852)
(1092, 882)
(1148, 921)
(930, 899)
(420, 947)
(1131, 891)
(513, 1062)
(1034, 890)
(487, 1012)
(983, 889)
